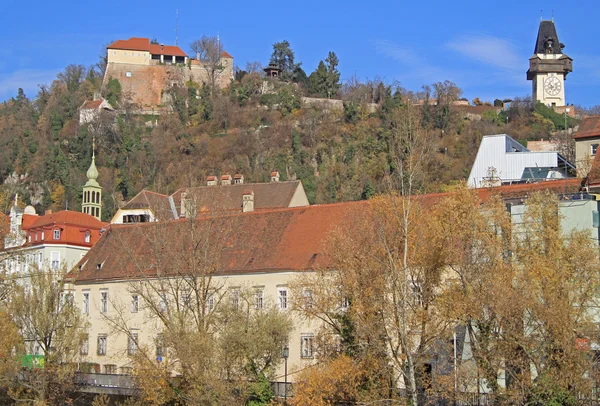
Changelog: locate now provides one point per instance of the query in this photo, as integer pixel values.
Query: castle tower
(548, 67)
(92, 192)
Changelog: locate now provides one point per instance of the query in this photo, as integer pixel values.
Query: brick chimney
(248, 201)
(211, 181)
(274, 176)
(226, 180)
(238, 179)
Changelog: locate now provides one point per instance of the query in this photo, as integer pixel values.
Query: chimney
(248, 201)
(96, 95)
(226, 180)
(274, 176)
(162, 47)
(211, 181)
(238, 179)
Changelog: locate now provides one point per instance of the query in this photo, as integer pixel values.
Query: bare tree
(208, 51)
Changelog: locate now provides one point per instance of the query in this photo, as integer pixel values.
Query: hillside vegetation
(252, 127)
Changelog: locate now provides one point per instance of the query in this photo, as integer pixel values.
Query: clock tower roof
(547, 39)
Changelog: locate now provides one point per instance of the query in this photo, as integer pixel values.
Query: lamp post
(285, 354)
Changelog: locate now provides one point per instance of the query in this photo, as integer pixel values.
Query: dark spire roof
(547, 39)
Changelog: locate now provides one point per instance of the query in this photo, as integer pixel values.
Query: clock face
(552, 86)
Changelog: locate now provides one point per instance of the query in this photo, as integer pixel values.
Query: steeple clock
(548, 67)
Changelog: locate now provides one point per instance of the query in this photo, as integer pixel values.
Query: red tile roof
(143, 44)
(268, 241)
(225, 54)
(157, 202)
(72, 224)
(91, 105)
(589, 128)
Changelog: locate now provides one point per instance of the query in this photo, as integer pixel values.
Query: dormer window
(87, 237)
(57, 234)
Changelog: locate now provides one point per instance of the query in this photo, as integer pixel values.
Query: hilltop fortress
(145, 70)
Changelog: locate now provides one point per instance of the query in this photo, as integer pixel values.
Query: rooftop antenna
(176, 26)
(552, 15)
(541, 15)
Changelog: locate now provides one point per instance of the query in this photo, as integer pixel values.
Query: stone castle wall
(145, 85)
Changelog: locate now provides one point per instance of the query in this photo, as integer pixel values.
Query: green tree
(325, 80)
(283, 58)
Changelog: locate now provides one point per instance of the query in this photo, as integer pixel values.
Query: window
(87, 237)
(162, 305)
(102, 345)
(234, 298)
(210, 302)
(55, 260)
(282, 298)
(307, 298)
(57, 234)
(132, 341)
(86, 302)
(114, 52)
(258, 299)
(42, 235)
(85, 346)
(160, 346)
(345, 305)
(104, 302)
(128, 74)
(135, 303)
(307, 345)
(594, 148)
(126, 370)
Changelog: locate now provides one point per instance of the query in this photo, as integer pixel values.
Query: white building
(502, 160)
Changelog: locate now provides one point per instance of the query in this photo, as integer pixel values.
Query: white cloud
(27, 79)
(490, 50)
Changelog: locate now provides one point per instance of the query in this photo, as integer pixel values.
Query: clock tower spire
(548, 67)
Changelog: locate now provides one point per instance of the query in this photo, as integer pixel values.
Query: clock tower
(548, 67)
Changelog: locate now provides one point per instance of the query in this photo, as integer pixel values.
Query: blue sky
(482, 46)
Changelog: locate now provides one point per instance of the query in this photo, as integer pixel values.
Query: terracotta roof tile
(143, 44)
(229, 197)
(589, 128)
(225, 54)
(268, 241)
(91, 104)
(157, 202)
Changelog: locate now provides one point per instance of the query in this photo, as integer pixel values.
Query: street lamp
(285, 354)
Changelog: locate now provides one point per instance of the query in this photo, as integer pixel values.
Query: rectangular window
(307, 345)
(86, 303)
(234, 298)
(162, 304)
(210, 303)
(160, 346)
(594, 148)
(87, 237)
(102, 345)
(55, 260)
(43, 234)
(135, 303)
(282, 298)
(307, 298)
(56, 234)
(132, 342)
(104, 301)
(258, 299)
(85, 346)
